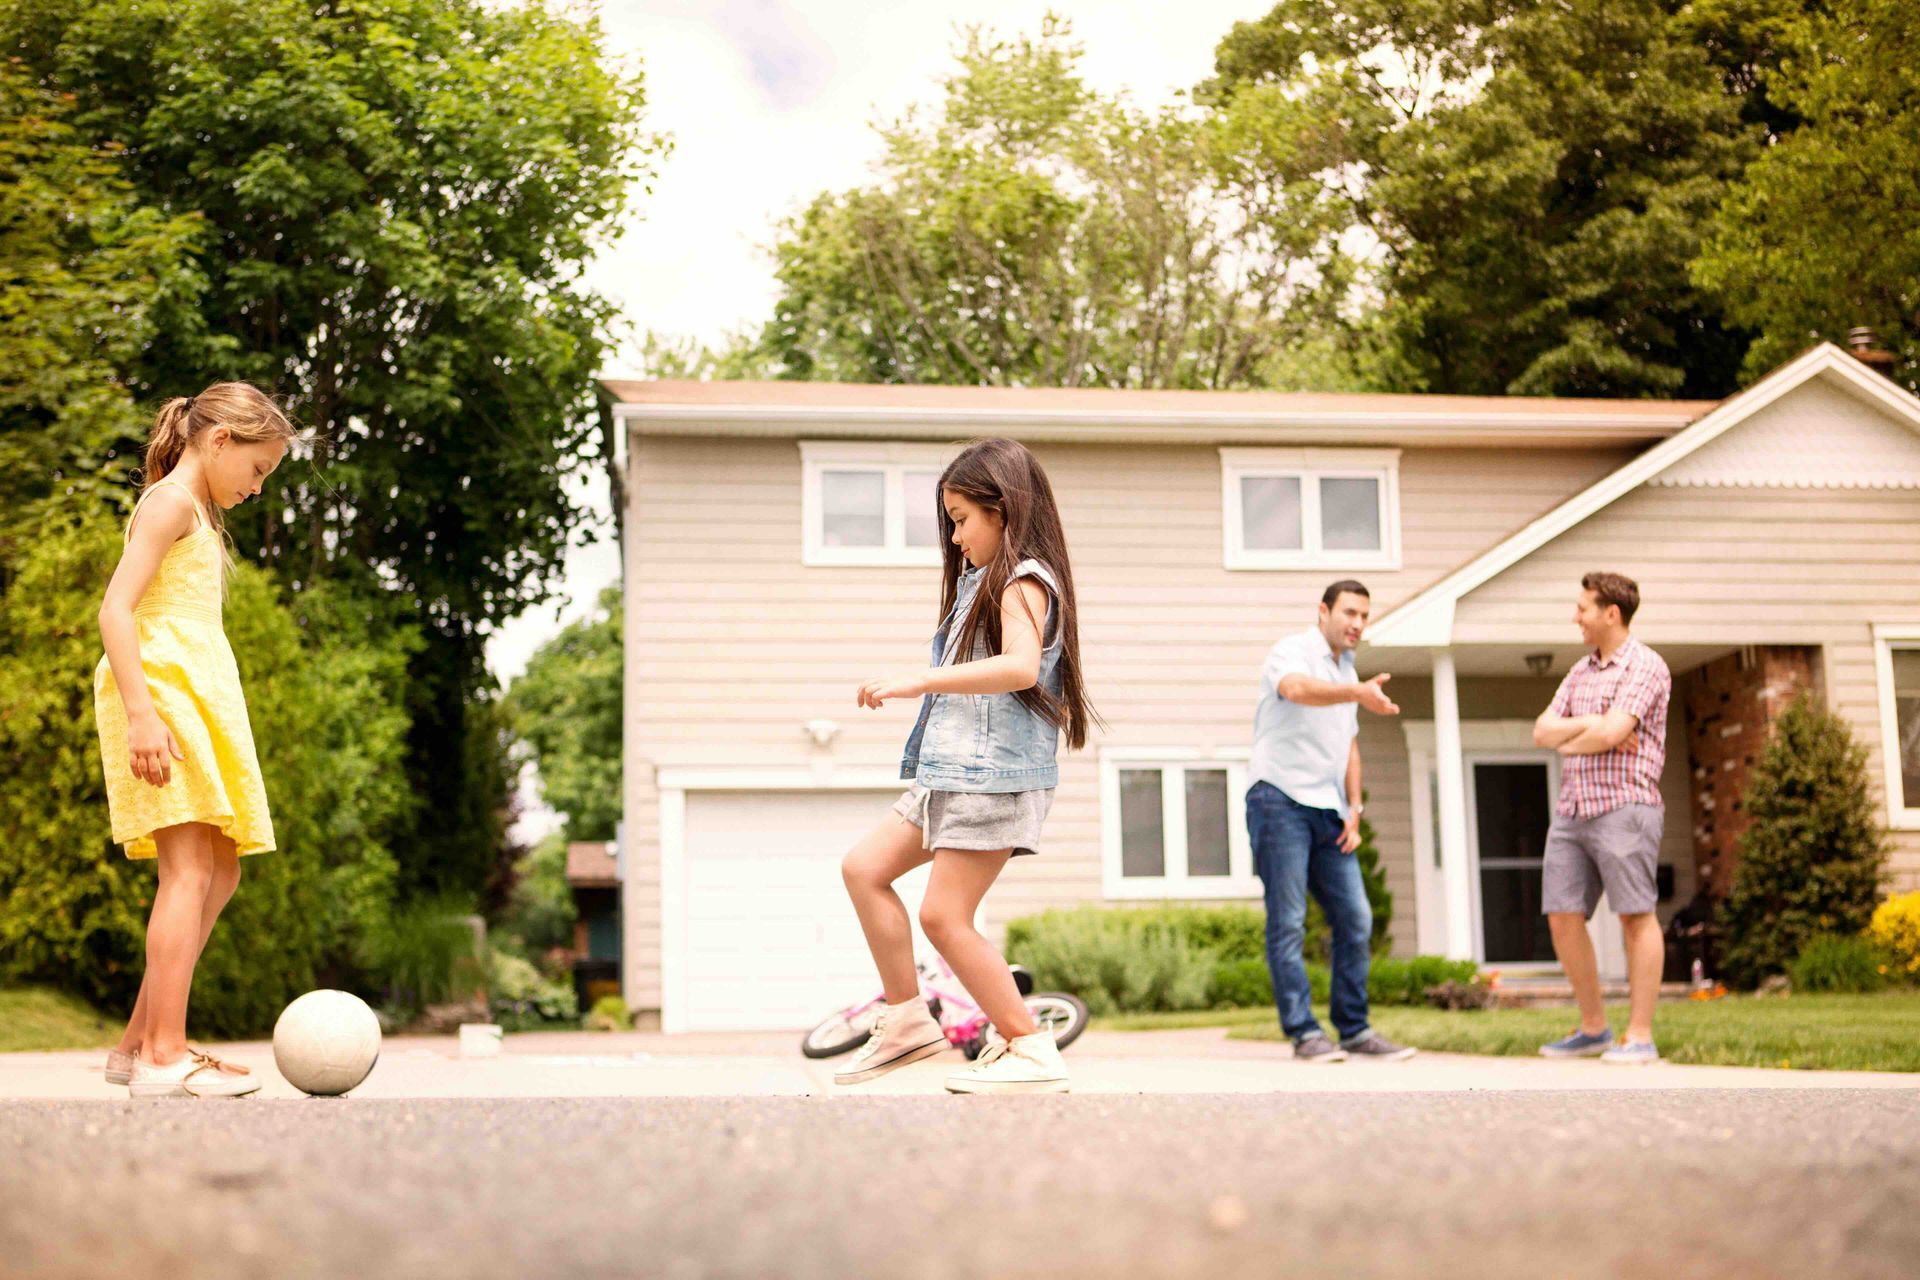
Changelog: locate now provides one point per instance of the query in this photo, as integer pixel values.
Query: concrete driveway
(643, 1064)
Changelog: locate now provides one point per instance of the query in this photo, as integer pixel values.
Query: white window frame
(1241, 881)
(890, 459)
(1310, 467)
(1888, 636)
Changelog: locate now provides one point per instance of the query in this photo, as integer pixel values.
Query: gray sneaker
(1631, 1053)
(1317, 1048)
(1579, 1045)
(1371, 1046)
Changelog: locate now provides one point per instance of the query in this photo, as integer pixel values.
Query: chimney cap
(1865, 343)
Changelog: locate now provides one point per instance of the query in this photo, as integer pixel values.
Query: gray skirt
(976, 819)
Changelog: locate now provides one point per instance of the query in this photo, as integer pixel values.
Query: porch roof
(1426, 620)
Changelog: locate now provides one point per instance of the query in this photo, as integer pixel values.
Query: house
(593, 877)
(779, 550)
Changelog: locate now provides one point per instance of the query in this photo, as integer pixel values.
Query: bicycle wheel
(1060, 1013)
(845, 1030)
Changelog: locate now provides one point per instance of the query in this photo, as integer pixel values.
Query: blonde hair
(248, 413)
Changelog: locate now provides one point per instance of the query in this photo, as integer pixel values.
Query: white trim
(1427, 619)
(1887, 636)
(1310, 467)
(1414, 422)
(1173, 762)
(891, 460)
(673, 784)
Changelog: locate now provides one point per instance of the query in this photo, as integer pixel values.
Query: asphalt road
(1539, 1185)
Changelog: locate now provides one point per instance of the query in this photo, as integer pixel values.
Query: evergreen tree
(1810, 862)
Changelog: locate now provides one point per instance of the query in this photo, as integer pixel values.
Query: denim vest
(987, 741)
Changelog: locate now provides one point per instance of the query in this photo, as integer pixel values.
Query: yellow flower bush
(1896, 927)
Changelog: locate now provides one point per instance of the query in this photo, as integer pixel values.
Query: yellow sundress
(196, 689)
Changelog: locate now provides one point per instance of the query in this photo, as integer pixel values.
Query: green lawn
(35, 1018)
(1811, 1032)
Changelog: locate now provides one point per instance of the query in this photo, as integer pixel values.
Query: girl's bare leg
(220, 887)
(961, 878)
(173, 937)
(883, 855)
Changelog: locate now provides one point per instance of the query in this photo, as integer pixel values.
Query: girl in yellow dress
(183, 785)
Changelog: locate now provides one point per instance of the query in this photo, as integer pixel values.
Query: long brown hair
(249, 415)
(1003, 476)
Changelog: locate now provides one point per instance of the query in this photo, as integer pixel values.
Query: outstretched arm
(1023, 612)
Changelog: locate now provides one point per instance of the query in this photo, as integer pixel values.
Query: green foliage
(1029, 231)
(82, 266)
(329, 730)
(1185, 956)
(40, 1018)
(524, 999)
(567, 706)
(1393, 980)
(395, 204)
(1840, 963)
(609, 1013)
(1810, 861)
(1535, 176)
(425, 952)
(1117, 961)
(1821, 233)
(1374, 878)
(540, 912)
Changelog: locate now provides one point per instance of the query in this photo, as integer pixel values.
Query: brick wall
(1730, 705)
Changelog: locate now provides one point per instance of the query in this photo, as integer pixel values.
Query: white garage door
(770, 941)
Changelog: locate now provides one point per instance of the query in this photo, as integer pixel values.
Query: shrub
(1393, 980)
(1118, 961)
(524, 999)
(1810, 860)
(609, 1013)
(1848, 964)
(424, 953)
(1896, 930)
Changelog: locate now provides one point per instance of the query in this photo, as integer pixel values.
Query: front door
(1510, 798)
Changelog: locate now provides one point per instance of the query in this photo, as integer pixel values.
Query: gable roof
(1104, 415)
(1426, 621)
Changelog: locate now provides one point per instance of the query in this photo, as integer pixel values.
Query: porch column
(1451, 783)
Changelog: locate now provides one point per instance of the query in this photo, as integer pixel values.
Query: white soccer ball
(326, 1042)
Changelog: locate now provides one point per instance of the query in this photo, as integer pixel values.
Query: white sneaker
(192, 1075)
(1025, 1064)
(902, 1033)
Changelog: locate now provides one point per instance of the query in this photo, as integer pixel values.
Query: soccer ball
(326, 1042)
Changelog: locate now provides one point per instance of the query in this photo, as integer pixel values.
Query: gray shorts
(976, 819)
(1618, 851)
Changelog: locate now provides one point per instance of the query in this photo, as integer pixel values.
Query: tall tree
(567, 707)
(400, 199)
(85, 274)
(1531, 178)
(1823, 231)
(1030, 231)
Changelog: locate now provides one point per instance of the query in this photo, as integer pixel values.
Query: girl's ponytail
(169, 440)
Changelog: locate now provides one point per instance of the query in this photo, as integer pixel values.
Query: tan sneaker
(1025, 1064)
(119, 1067)
(902, 1033)
(192, 1075)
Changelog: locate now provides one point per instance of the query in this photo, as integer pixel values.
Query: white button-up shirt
(1303, 750)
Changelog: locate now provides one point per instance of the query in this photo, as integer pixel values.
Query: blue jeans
(1297, 849)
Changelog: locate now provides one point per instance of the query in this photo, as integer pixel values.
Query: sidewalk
(648, 1064)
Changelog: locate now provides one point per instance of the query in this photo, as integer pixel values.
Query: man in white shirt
(1303, 817)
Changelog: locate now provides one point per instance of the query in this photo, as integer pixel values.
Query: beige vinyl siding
(733, 645)
(1739, 566)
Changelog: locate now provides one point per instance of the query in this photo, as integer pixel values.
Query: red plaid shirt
(1633, 680)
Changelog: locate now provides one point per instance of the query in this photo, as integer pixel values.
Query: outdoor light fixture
(1538, 663)
(822, 731)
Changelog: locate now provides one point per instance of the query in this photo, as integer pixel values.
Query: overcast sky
(769, 103)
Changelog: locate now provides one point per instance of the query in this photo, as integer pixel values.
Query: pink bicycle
(966, 1026)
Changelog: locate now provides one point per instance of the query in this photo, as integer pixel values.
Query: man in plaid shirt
(1609, 723)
